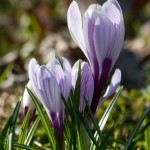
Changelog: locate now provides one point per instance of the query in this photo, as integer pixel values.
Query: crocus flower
(86, 83)
(100, 35)
(27, 102)
(48, 82)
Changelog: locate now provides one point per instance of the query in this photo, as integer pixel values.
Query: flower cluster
(100, 35)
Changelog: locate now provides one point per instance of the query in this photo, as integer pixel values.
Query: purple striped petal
(102, 30)
(111, 9)
(33, 68)
(115, 82)
(89, 20)
(48, 92)
(86, 84)
(62, 75)
(50, 89)
(102, 35)
(45, 86)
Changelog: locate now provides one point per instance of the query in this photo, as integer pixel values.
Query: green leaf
(21, 146)
(44, 119)
(76, 97)
(147, 135)
(67, 134)
(89, 131)
(12, 127)
(4, 133)
(59, 59)
(139, 135)
(68, 106)
(109, 109)
(24, 128)
(85, 139)
(135, 131)
(94, 122)
(103, 144)
(32, 131)
(106, 114)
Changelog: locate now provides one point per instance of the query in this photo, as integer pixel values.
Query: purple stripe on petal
(87, 86)
(86, 83)
(47, 82)
(99, 83)
(58, 127)
(25, 110)
(89, 19)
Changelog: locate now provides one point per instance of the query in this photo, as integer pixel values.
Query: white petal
(110, 10)
(74, 21)
(26, 99)
(115, 82)
(33, 68)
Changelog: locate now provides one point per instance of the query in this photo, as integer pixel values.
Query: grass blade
(32, 131)
(44, 119)
(85, 123)
(147, 136)
(12, 127)
(134, 133)
(103, 144)
(24, 127)
(94, 122)
(76, 98)
(21, 146)
(4, 133)
(106, 114)
(109, 109)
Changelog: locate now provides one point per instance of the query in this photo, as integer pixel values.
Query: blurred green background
(38, 28)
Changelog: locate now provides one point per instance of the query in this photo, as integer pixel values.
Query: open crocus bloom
(48, 82)
(86, 83)
(100, 35)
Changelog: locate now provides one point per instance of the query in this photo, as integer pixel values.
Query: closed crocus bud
(100, 35)
(27, 102)
(48, 82)
(86, 83)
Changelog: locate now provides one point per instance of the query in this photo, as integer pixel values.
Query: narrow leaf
(77, 88)
(32, 131)
(109, 109)
(44, 119)
(4, 133)
(85, 123)
(134, 133)
(24, 127)
(12, 127)
(16, 145)
(147, 136)
(106, 114)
